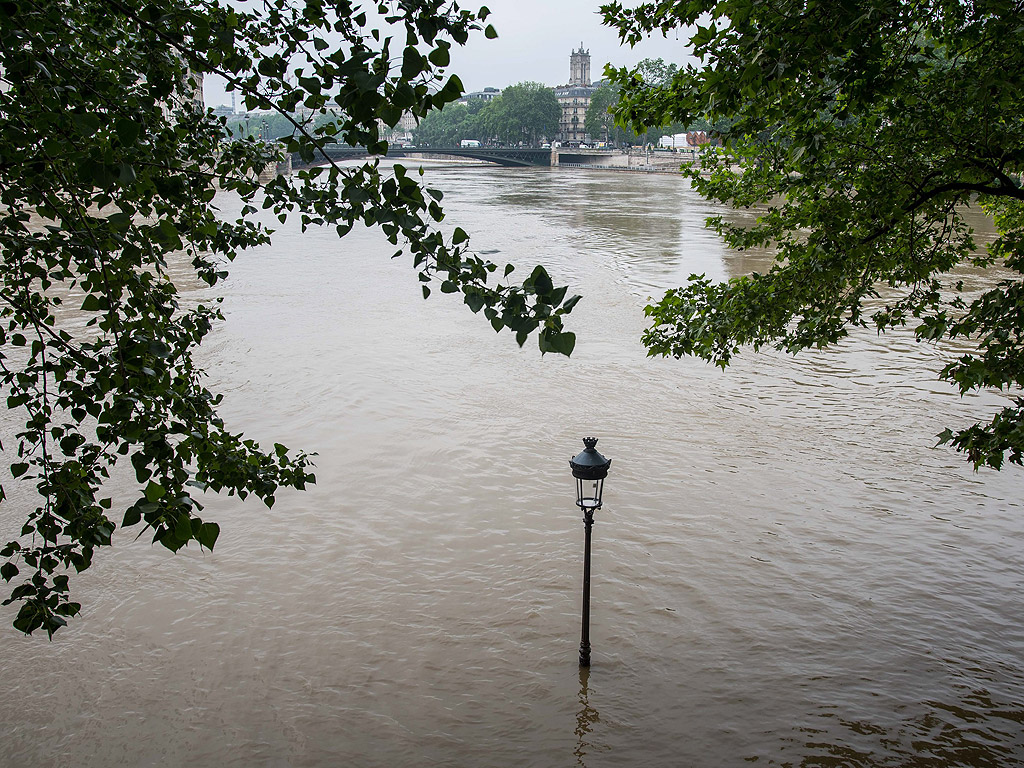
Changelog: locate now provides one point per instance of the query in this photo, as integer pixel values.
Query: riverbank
(620, 168)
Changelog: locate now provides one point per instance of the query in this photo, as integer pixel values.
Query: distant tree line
(527, 112)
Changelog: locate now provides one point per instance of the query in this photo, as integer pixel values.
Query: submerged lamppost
(590, 469)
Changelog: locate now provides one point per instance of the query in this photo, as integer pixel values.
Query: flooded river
(787, 571)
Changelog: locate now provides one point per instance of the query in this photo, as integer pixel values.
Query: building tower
(579, 67)
(574, 98)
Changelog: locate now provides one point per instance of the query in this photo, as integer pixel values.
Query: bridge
(660, 161)
(514, 157)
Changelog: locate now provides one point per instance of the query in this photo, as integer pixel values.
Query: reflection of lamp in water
(590, 469)
(585, 719)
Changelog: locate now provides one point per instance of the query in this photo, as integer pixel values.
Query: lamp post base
(585, 655)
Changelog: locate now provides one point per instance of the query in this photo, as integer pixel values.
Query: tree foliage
(268, 125)
(601, 119)
(449, 126)
(524, 112)
(863, 128)
(108, 179)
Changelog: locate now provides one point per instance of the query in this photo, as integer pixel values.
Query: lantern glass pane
(588, 493)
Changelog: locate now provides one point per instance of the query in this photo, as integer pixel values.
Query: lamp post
(590, 469)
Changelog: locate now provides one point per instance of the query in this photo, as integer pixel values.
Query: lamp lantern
(590, 469)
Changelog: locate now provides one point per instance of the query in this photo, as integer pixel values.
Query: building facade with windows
(574, 98)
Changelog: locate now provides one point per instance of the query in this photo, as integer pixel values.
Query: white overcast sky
(535, 38)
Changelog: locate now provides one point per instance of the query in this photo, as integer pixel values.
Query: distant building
(574, 98)
(487, 94)
(401, 133)
(579, 67)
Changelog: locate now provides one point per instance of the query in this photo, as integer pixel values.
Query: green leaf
(207, 535)
(452, 90)
(412, 63)
(93, 303)
(127, 174)
(132, 516)
(562, 343)
(128, 130)
(86, 123)
(474, 301)
(539, 281)
(182, 530)
(154, 491)
(570, 303)
(440, 56)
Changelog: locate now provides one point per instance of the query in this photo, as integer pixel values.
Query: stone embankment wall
(638, 160)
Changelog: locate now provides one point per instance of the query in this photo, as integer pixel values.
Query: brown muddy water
(787, 571)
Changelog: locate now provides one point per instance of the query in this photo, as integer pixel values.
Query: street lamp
(590, 469)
